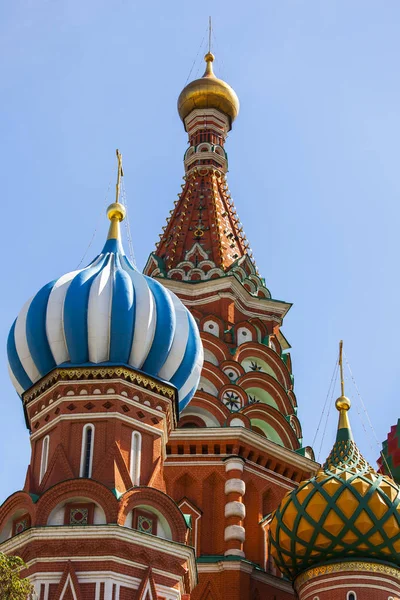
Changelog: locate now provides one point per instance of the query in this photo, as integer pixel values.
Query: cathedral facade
(167, 456)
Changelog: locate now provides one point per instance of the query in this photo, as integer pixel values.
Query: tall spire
(204, 229)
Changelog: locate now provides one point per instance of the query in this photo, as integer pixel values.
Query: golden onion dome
(208, 92)
(346, 511)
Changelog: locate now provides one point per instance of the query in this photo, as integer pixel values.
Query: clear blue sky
(313, 167)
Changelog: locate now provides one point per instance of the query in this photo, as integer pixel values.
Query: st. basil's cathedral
(167, 456)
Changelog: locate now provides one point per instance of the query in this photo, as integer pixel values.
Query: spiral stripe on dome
(55, 318)
(105, 313)
(14, 363)
(145, 321)
(122, 315)
(178, 348)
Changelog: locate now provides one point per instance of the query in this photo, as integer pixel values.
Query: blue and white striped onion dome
(107, 314)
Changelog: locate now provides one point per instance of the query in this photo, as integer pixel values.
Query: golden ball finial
(208, 92)
(343, 403)
(117, 211)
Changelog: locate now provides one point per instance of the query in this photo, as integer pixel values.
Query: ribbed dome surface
(346, 511)
(106, 313)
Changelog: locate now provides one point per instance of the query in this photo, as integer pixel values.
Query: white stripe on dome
(193, 378)
(21, 344)
(14, 381)
(99, 313)
(145, 318)
(55, 318)
(180, 340)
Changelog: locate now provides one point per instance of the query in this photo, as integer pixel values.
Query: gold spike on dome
(343, 403)
(208, 92)
(116, 212)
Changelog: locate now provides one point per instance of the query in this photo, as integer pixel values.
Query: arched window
(351, 596)
(136, 453)
(44, 458)
(87, 450)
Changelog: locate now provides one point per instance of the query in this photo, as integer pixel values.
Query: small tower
(389, 460)
(104, 358)
(338, 535)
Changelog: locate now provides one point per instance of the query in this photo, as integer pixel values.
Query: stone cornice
(201, 292)
(246, 567)
(101, 372)
(101, 532)
(250, 437)
(357, 566)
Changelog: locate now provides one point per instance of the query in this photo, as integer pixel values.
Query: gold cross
(120, 174)
(341, 366)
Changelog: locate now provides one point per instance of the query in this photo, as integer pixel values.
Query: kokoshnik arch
(167, 455)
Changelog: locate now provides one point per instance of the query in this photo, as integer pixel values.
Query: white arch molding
(87, 450)
(44, 458)
(136, 455)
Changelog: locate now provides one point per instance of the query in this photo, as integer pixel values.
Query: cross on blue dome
(107, 314)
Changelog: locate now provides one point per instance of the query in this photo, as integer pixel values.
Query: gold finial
(209, 58)
(116, 211)
(343, 403)
(209, 34)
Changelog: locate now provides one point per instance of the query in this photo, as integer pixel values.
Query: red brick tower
(237, 449)
(103, 358)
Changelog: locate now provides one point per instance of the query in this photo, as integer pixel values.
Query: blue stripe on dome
(15, 364)
(165, 328)
(36, 334)
(113, 246)
(191, 356)
(75, 313)
(185, 401)
(122, 315)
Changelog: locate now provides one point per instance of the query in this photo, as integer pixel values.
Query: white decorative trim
(107, 558)
(72, 587)
(109, 578)
(95, 396)
(231, 288)
(362, 581)
(136, 457)
(100, 533)
(234, 532)
(235, 485)
(247, 436)
(44, 459)
(97, 416)
(84, 445)
(235, 509)
(234, 552)
(233, 464)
